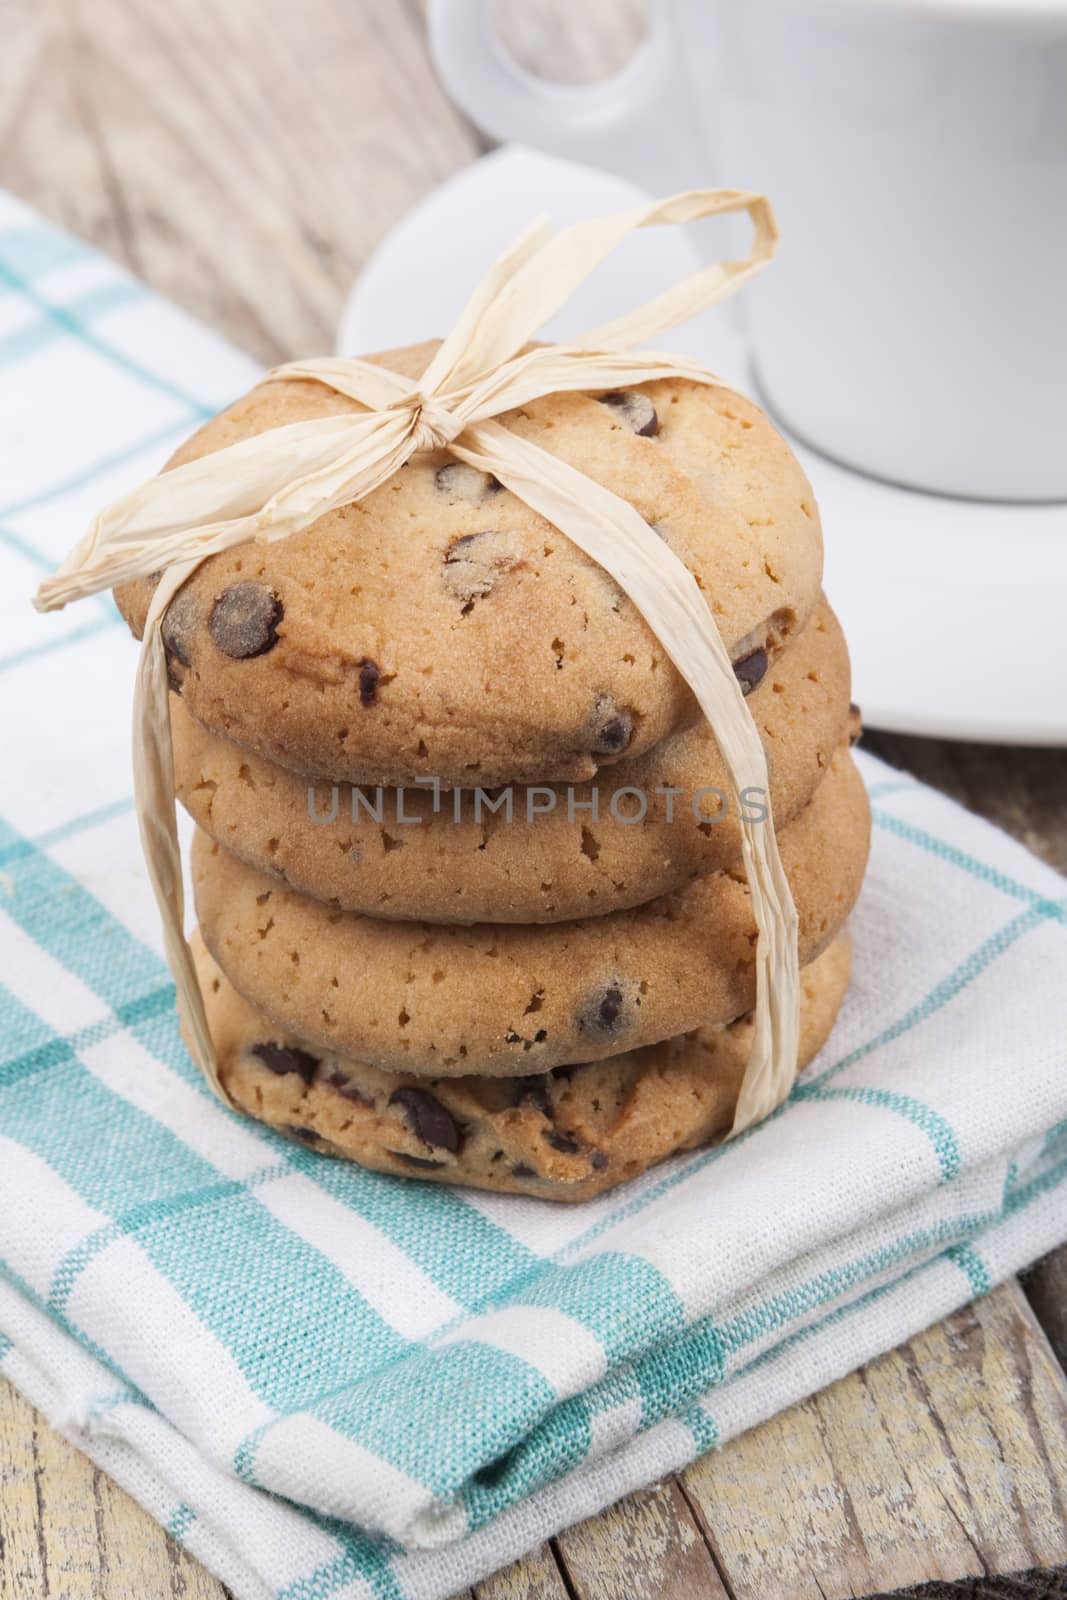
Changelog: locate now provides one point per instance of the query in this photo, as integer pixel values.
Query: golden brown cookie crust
(451, 632)
(392, 854)
(566, 1135)
(511, 999)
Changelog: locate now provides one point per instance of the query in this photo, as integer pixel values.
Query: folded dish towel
(433, 1380)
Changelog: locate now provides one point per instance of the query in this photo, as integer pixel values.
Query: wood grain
(537, 1577)
(946, 1458)
(245, 159)
(68, 1532)
(649, 1545)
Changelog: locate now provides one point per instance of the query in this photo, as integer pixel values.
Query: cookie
(512, 999)
(568, 1134)
(440, 628)
(539, 855)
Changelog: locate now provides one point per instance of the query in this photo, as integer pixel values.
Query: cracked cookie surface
(568, 1134)
(509, 999)
(449, 858)
(441, 628)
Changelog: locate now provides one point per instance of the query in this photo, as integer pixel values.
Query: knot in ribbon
(433, 426)
(279, 482)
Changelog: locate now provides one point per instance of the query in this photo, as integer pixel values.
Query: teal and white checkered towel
(330, 1383)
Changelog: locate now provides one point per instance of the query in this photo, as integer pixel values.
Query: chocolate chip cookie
(567, 1134)
(640, 829)
(512, 999)
(440, 628)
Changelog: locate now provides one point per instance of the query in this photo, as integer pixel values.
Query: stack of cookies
(467, 868)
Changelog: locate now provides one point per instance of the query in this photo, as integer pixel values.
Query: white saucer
(955, 610)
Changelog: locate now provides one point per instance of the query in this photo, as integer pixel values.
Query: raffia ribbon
(277, 483)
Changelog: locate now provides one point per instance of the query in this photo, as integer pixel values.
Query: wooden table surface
(244, 157)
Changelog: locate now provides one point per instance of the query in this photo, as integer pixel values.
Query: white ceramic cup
(915, 323)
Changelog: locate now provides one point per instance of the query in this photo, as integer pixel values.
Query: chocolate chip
(751, 670)
(521, 1170)
(610, 1006)
(613, 728)
(598, 1161)
(616, 734)
(855, 724)
(475, 563)
(633, 408)
(414, 1161)
(606, 1012)
(563, 1143)
(369, 676)
(461, 482)
(180, 622)
(282, 1058)
(461, 549)
(427, 1117)
(307, 1135)
(244, 620)
(533, 1088)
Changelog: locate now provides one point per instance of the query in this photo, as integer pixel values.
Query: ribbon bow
(277, 483)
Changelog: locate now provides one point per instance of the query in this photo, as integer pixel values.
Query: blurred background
(245, 156)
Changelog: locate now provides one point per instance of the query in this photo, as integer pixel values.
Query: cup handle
(639, 123)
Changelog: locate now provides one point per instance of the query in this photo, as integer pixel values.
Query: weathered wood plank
(536, 1577)
(649, 1545)
(946, 1458)
(997, 1387)
(67, 1531)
